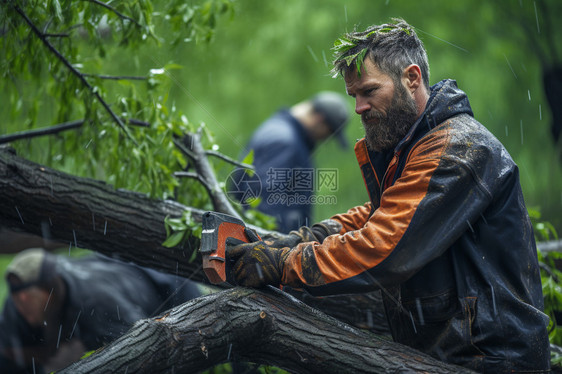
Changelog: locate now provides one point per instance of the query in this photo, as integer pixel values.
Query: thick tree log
(267, 327)
(91, 214)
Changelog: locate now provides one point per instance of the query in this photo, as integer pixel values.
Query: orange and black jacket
(447, 238)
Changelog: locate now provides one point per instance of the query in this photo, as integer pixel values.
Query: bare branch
(229, 160)
(138, 122)
(186, 151)
(40, 132)
(192, 175)
(74, 71)
(550, 246)
(55, 129)
(188, 174)
(56, 35)
(192, 146)
(115, 77)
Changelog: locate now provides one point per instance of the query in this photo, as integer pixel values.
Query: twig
(56, 35)
(189, 174)
(51, 130)
(138, 122)
(186, 151)
(115, 77)
(550, 246)
(74, 71)
(193, 175)
(229, 160)
(120, 15)
(192, 147)
(549, 271)
(40, 132)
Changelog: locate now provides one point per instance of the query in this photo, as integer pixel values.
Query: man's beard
(392, 127)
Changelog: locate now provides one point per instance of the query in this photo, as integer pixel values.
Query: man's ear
(412, 77)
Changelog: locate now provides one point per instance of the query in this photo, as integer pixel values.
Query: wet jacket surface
(104, 298)
(447, 238)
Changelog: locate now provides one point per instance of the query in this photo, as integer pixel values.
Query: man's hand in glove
(317, 233)
(256, 264)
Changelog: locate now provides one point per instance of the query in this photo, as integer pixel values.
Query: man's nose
(361, 105)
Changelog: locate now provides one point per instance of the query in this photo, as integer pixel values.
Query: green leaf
(174, 239)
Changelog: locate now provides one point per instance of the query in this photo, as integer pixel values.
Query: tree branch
(192, 175)
(55, 129)
(186, 151)
(550, 246)
(120, 15)
(229, 160)
(74, 71)
(114, 77)
(40, 132)
(192, 142)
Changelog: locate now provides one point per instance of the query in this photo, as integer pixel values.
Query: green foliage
(179, 230)
(551, 279)
(347, 47)
(63, 65)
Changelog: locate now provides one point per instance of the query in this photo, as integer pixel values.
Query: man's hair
(391, 46)
(31, 267)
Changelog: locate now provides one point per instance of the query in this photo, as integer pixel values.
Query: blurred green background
(269, 54)
(274, 53)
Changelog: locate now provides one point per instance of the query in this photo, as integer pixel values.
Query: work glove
(317, 233)
(256, 264)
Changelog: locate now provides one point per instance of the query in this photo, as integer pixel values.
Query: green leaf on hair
(343, 45)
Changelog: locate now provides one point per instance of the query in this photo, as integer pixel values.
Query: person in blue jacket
(284, 168)
(60, 307)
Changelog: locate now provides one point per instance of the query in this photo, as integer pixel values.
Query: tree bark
(91, 214)
(261, 326)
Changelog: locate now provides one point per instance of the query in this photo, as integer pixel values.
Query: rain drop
(420, 312)
(19, 214)
(259, 270)
(58, 339)
(312, 53)
(229, 351)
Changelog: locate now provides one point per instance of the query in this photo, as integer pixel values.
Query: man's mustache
(370, 115)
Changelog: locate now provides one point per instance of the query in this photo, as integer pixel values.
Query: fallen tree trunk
(91, 214)
(267, 327)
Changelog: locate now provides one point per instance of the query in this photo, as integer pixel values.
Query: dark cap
(335, 111)
(31, 267)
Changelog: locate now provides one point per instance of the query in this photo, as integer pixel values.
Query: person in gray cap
(284, 170)
(61, 307)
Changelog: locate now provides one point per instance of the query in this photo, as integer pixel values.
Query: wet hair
(391, 46)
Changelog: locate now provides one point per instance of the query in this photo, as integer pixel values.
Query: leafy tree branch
(73, 70)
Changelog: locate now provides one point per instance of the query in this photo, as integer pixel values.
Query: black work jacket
(447, 238)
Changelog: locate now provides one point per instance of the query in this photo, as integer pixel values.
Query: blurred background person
(283, 147)
(60, 307)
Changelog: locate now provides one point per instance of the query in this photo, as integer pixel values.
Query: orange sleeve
(354, 219)
(366, 242)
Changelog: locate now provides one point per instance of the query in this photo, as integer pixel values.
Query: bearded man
(445, 235)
